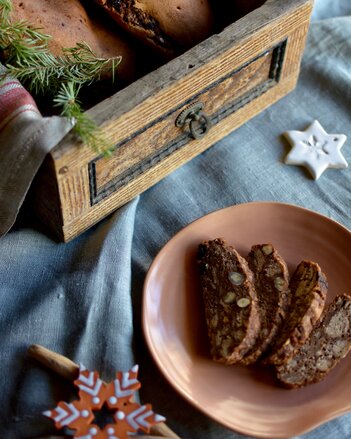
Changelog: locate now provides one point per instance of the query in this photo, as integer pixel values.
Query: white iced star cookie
(315, 149)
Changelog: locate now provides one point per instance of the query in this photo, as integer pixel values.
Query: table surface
(83, 299)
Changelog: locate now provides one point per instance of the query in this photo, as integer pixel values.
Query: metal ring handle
(199, 122)
(200, 125)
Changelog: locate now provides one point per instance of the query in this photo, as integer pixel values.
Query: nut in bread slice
(272, 287)
(230, 301)
(329, 342)
(308, 289)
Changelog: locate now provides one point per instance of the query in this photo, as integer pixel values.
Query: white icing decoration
(159, 418)
(126, 381)
(112, 399)
(120, 415)
(137, 417)
(88, 381)
(122, 388)
(315, 149)
(89, 385)
(135, 368)
(66, 416)
(84, 413)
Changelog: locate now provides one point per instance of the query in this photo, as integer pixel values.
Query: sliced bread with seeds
(272, 287)
(329, 342)
(230, 301)
(308, 289)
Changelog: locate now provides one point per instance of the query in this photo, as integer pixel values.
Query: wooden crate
(232, 75)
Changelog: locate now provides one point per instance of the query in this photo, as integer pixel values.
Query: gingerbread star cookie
(128, 416)
(315, 149)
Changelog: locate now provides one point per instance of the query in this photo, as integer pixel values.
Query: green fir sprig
(28, 58)
(42, 71)
(19, 40)
(5, 10)
(67, 99)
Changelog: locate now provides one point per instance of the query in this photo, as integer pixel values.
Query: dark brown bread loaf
(329, 342)
(228, 11)
(230, 301)
(243, 7)
(170, 26)
(272, 287)
(308, 288)
(68, 23)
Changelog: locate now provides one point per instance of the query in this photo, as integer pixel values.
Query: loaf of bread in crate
(169, 26)
(329, 342)
(271, 279)
(230, 301)
(68, 23)
(308, 289)
(227, 12)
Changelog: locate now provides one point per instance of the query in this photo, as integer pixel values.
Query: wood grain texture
(164, 131)
(235, 74)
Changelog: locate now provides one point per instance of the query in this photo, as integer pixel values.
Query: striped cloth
(25, 139)
(14, 100)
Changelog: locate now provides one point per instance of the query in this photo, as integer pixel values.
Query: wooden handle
(70, 370)
(162, 430)
(56, 362)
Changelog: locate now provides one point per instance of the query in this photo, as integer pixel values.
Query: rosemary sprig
(85, 127)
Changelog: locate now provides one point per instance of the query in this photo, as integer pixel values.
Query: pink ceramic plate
(244, 399)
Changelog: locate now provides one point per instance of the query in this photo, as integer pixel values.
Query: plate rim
(151, 345)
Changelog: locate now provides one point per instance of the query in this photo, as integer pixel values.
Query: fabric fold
(25, 139)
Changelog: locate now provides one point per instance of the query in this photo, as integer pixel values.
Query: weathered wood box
(222, 82)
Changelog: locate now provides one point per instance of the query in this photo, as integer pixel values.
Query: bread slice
(272, 287)
(230, 301)
(329, 342)
(308, 289)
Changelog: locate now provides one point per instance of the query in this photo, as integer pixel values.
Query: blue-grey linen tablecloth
(83, 299)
